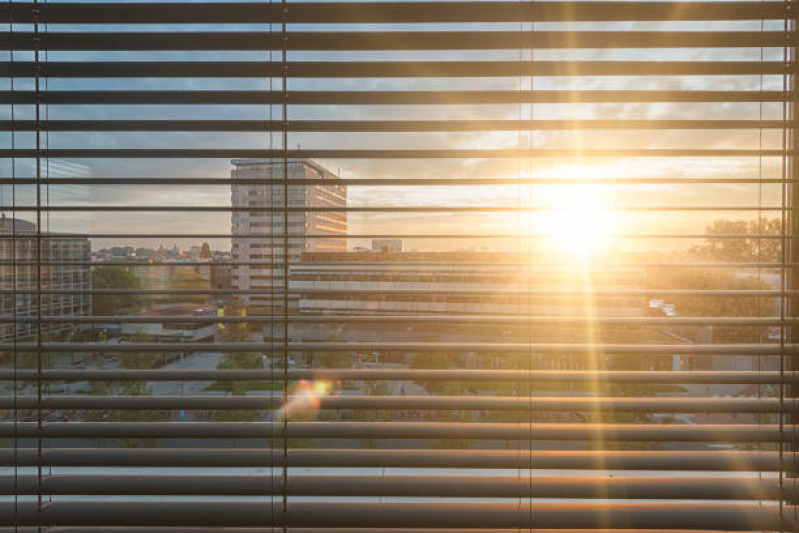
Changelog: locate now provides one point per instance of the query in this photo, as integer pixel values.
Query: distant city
(194, 253)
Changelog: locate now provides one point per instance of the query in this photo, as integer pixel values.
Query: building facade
(67, 269)
(457, 283)
(386, 245)
(501, 294)
(161, 276)
(193, 330)
(258, 234)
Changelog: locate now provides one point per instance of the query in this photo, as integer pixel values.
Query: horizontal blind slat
(735, 517)
(402, 458)
(392, 40)
(394, 12)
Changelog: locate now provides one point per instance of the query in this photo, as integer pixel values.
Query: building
(67, 270)
(220, 275)
(258, 235)
(497, 289)
(454, 283)
(162, 276)
(193, 330)
(386, 245)
(152, 276)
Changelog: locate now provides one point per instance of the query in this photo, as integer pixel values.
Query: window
(522, 265)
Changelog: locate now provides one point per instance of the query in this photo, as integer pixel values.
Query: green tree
(239, 361)
(748, 248)
(234, 331)
(139, 360)
(332, 360)
(132, 361)
(731, 306)
(205, 251)
(438, 361)
(113, 277)
(185, 279)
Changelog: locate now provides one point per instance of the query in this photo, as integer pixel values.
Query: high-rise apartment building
(66, 268)
(258, 234)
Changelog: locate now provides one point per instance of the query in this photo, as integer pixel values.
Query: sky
(602, 197)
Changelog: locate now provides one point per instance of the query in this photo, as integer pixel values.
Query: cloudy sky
(602, 197)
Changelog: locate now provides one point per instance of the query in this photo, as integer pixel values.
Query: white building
(258, 235)
(456, 283)
(487, 286)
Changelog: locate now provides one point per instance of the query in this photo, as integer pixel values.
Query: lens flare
(305, 400)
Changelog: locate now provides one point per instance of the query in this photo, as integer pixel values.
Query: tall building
(258, 234)
(59, 251)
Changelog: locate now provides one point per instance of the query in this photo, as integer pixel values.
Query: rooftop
(279, 163)
(16, 224)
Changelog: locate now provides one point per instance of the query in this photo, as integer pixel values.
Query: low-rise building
(488, 287)
(194, 329)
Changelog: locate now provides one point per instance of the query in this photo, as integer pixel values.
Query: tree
(332, 360)
(730, 306)
(205, 251)
(185, 279)
(137, 361)
(234, 331)
(113, 277)
(436, 361)
(239, 361)
(748, 248)
(132, 361)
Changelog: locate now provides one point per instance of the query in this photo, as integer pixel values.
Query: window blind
(398, 266)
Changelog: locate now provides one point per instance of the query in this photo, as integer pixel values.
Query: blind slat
(736, 517)
(401, 458)
(385, 97)
(397, 12)
(388, 40)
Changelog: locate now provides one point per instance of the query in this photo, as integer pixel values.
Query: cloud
(389, 169)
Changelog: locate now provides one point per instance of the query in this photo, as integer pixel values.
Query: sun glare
(581, 223)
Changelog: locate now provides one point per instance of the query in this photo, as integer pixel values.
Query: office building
(487, 286)
(58, 251)
(258, 234)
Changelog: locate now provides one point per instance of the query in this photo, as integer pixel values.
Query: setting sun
(581, 223)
